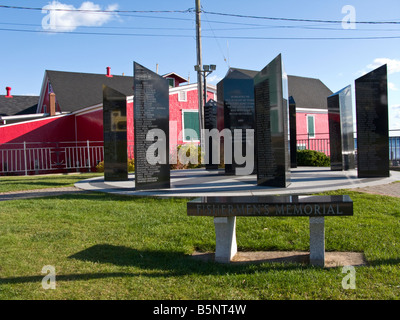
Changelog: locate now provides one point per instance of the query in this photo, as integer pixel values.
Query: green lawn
(20, 183)
(115, 247)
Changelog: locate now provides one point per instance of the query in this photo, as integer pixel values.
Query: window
(311, 126)
(190, 125)
(182, 96)
(171, 82)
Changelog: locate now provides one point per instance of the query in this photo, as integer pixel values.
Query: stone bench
(226, 209)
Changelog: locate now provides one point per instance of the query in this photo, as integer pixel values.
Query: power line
(254, 27)
(192, 10)
(96, 10)
(218, 44)
(189, 36)
(296, 19)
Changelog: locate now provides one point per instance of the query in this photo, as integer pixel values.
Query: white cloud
(394, 116)
(65, 17)
(213, 79)
(393, 65)
(392, 86)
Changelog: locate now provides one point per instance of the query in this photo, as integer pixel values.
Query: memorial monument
(272, 125)
(114, 132)
(236, 94)
(210, 123)
(372, 124)
(151, 129)
(340, 117)
(293, 132)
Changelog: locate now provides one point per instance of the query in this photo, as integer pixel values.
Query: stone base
(225, 234)
(226, 246)
(317, 241)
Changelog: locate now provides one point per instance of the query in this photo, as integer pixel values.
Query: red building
(62, 129)
(67, 130)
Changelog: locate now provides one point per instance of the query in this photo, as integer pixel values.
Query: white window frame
(313, 117)
(183, 125)
(185, 96)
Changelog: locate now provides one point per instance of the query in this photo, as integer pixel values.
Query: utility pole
(199, 68)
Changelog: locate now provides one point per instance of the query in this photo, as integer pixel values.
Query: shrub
(131, 166)
(189, 148)
(312, 158)
(100, 167)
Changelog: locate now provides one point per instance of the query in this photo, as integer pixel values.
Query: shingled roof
(76, 90)
(18, 105)
(308, 93)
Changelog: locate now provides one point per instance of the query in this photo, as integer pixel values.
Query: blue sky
(168, 39)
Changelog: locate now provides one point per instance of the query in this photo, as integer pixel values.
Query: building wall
(175, 113)
(89, 125)
(50, 129)
(321, 125)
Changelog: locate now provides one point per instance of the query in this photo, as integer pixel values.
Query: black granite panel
(115, 140)
(236, 93)
(335, 134)
(372, 124)
(293, 132)
(340, 116)
(272, 125)
(210, 123)
(151, 112)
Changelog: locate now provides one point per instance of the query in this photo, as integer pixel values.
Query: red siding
(89, 126)
(321, 125)
(50, 129)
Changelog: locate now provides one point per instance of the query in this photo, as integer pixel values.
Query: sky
(333, 40)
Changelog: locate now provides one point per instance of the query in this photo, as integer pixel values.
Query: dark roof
(18, 105)
(250, 73)
(308, 92)
(76, 90)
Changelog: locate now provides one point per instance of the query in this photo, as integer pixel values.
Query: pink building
(312, 127)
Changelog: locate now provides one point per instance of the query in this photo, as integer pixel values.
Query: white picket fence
(26, 158)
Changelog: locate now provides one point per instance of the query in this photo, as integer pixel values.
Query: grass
(114, 247)
(21, 183)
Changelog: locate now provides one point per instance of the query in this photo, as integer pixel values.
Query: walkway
(195, 183)
(199, 182)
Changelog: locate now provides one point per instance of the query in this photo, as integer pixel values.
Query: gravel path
(391, 189)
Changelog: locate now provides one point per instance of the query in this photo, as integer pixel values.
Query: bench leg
(225, 235)
(317, 241)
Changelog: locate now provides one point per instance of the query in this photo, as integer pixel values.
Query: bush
(131, 166)
(100, 167)
(189, 148)
(312, 158)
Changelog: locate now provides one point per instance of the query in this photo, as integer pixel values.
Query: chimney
(52, 99)
(8, 92)
(109, 72)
